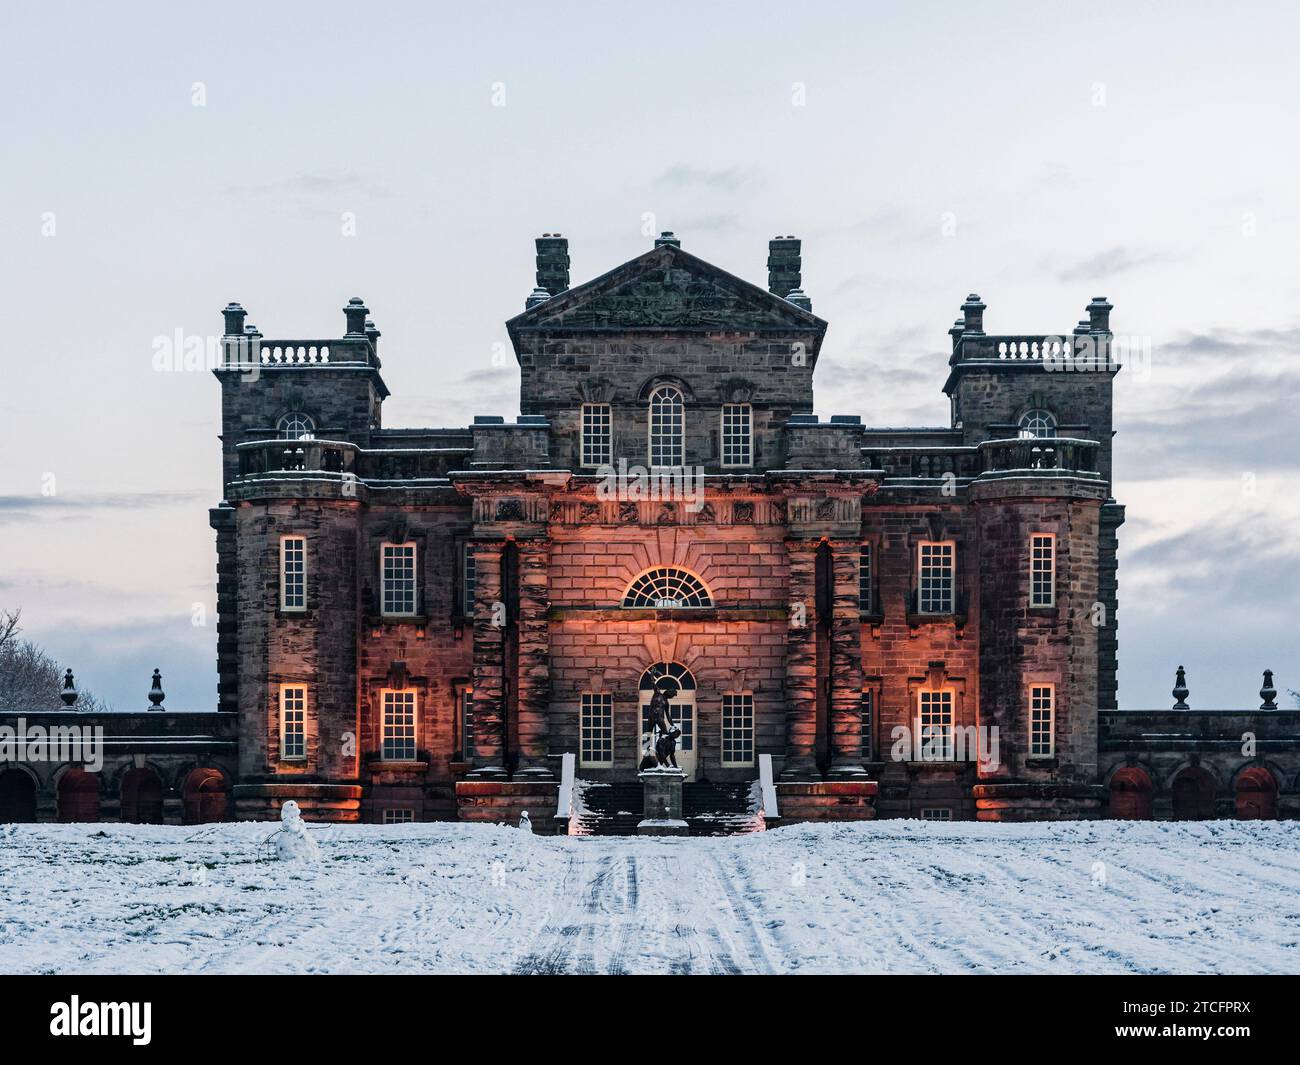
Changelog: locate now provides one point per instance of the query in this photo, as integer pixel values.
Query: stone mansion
(420, 624)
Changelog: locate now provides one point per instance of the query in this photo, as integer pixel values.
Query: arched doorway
(78, 797)
(1193, 795)
(1256, 795)
(682, 707)
(1130, 794)
(17, 797)
(142, 797)
(204, 797)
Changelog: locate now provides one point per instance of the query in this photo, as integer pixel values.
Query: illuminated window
(865, 590)
(1037, 423)
(597, 434)
(667, 427)
(465, 706)
(293, 573)
(737, 729)
(1042, 733)
(398, 740)
(293, 722)
(866, 727)
(1042, 569)
(468, 572)
(398, 579)
(667, 588)
(936, 565)
(596, 727)
(934, 720)
(296, 426)
(737, 434)
(404, 816)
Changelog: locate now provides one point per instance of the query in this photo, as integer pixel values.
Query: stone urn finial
(1180, 691)
(1268, 693)
(69, 692)
(156, 694)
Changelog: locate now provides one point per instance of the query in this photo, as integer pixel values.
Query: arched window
(667, 588)
(667, 427)
(296, 426)
(1037, 423)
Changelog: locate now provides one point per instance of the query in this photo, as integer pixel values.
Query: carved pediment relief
(669, 289)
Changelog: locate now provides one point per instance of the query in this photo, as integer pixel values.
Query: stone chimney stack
(667, 237)
(356, 312)
(973, 309)
(234, 315)
(1099, 314)
(784, 266)
(373, 334)
(553, 263)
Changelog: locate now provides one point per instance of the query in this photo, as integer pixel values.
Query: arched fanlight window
(667, 427)
(674, 671)
(1037, 423)
(667, 588)
(296, 426)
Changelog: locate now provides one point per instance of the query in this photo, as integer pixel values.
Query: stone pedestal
(662, 803)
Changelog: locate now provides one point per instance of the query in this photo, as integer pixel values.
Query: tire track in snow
(762, 956)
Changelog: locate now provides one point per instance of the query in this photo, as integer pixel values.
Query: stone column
(489, 731)
(533, 683)
(801, 664)
(846, 663)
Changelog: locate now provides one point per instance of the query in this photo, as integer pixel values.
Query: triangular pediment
(667, 289)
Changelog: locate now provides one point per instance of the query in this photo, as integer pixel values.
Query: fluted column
(846, 663)
(489, 730)
(801, 664)
(533, 682)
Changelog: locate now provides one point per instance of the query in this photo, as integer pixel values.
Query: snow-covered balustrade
(923, 462)
(258, 457)
(253, 350)
(1040, 453)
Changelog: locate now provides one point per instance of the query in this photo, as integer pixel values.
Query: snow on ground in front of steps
(888, 896)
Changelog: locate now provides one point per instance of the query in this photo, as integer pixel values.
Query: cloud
(684, 176)
(718, 222)
(17, 507)
(314, 194)
(1109, 263)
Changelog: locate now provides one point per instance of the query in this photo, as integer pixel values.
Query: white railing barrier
(769, 811)
(564, 807)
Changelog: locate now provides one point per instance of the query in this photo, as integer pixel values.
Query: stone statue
(661, 747)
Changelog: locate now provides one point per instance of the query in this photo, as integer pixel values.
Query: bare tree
(29, 678)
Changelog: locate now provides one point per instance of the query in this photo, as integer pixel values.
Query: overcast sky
(163, 159)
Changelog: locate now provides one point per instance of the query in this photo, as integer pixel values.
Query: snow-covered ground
(895, 896)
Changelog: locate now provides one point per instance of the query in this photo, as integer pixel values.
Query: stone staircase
(718, 809)
(609, 809)
(710, 809)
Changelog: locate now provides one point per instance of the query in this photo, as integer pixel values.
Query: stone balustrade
(923, 462)
(253, 350)
(1067, 454)
(260, 457)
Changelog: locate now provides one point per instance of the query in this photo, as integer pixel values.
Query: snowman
(292, 843)
(525, 822)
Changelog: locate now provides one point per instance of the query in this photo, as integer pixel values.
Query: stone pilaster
(489, 724)
(801, 664)
(533, 682)
(1112, 517)
(846, 663)
(222, 519)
